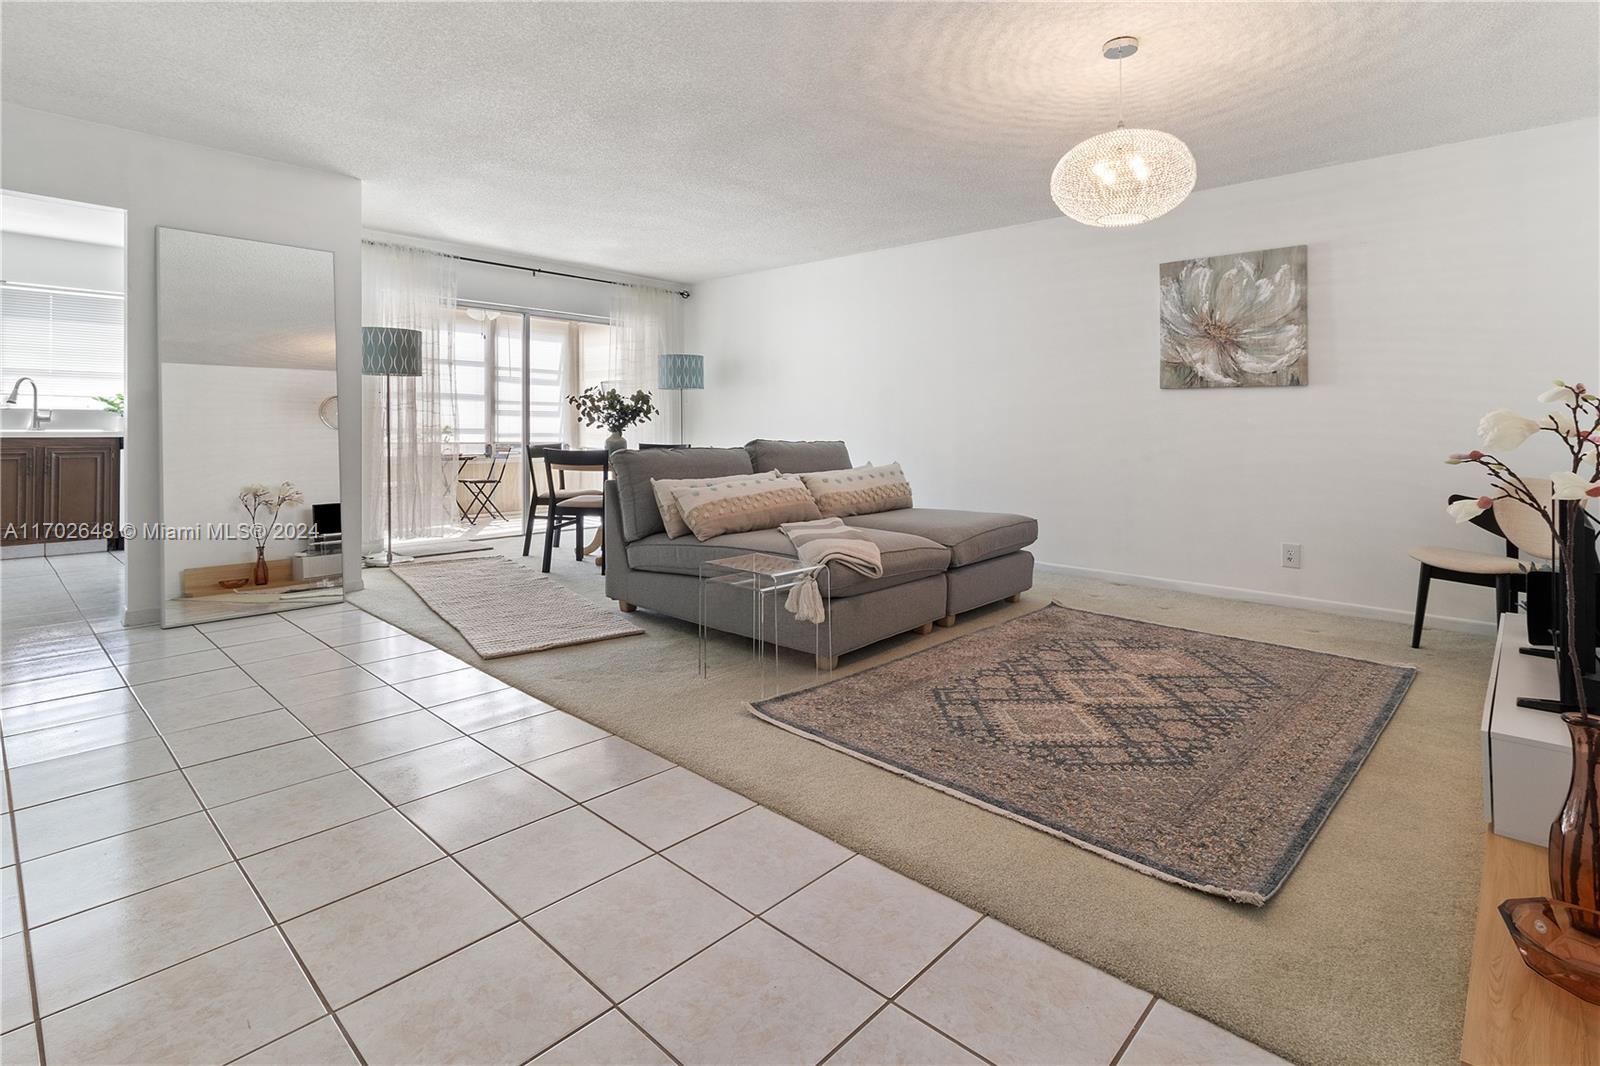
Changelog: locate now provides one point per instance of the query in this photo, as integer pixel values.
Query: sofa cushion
(667, 503)
(637, 500)
(861, 490)
(798, 456)
(716, 506)
(971, 536)
(905, 557)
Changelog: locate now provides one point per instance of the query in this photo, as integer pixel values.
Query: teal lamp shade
(392, 352)
(682, 371)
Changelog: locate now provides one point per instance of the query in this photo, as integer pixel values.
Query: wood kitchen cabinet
(59, 488)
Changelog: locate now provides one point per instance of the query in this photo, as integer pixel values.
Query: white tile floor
(315, 839)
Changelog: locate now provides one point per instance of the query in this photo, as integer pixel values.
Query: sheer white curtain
(410, 288)
(645, 322)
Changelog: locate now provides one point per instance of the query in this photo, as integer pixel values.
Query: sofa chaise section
(987, 560)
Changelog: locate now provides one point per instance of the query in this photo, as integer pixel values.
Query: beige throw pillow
(864, 490)
(671, 516)
(710, 509)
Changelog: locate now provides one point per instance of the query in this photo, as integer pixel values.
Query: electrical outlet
(1291, 556)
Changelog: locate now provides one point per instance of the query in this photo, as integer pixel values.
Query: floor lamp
(678, 370)
(389, 352)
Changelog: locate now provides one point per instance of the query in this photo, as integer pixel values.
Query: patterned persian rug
(503, 608)
(1203, 760)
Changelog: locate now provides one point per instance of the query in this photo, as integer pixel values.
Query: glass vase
(261, 576)
(1575, 834)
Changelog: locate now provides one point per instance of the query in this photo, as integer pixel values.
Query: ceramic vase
(616, 442)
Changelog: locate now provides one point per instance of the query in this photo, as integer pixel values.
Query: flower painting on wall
(1233, 321)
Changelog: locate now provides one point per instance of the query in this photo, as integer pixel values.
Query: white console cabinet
(1527, 756)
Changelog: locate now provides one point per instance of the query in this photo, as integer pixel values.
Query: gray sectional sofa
(936, 563)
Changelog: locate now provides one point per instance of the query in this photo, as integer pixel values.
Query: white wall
(29, 259)
(162, 182)
(1016, 369)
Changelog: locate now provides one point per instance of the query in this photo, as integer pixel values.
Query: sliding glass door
(514, 370)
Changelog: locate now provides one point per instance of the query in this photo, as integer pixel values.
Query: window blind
(69, 342)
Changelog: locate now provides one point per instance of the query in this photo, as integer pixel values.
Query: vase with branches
(1575, 834)
(260, 500)
(599, 406)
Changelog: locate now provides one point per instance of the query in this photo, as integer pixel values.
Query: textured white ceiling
(687, 140)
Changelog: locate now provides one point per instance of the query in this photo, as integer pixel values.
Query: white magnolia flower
(1467, 510)
(1570, 486)
(1563, 423)
(1559, 394)
(1502, 430)
(1230, 326)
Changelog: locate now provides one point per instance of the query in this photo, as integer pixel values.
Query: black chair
(481, 490)
(541, 492)
(1504, 574)
(570, 510)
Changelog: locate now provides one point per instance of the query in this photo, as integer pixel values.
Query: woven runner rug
(503, 608)
(1203, 760)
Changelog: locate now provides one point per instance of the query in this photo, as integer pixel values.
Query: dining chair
(541, 492)
(481, 490)
(563, 511)
(1521, 529)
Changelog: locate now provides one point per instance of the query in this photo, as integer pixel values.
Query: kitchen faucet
(11, 401)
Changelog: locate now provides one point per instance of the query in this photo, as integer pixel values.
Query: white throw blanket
(827, 540)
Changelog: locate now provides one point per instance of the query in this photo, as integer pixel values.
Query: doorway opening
(64, 387)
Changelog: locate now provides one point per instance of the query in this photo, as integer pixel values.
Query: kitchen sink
(14, 419)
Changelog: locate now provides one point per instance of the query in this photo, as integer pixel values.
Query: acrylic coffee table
(766, 581)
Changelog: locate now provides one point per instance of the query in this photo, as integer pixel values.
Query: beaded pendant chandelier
(1126, 176)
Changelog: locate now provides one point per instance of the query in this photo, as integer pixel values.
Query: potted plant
(257, 500)
(1575, 834)
(599, 406)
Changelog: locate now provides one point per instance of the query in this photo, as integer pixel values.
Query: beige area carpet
(1207, 761)
(1361, 958)
(503, 608)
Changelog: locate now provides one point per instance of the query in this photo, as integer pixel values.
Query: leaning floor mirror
(249, 438)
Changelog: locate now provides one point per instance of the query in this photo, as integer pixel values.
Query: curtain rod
(536, 271)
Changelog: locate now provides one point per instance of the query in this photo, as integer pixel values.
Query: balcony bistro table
(767, 579)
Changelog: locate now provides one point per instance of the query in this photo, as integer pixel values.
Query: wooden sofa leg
(947, 621)
(924, 629)
(1015, 597)
(625, 607)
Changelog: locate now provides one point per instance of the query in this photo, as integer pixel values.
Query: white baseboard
(146, 616)
(1276, 599)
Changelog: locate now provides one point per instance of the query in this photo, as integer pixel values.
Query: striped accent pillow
(864, 490)
(671, 516)
(711, 509)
